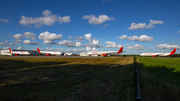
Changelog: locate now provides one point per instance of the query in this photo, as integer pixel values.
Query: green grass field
(64, 79)
(159, 78)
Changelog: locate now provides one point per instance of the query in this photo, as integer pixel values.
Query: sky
(90, 25)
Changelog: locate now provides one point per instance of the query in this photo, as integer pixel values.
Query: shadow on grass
(62, 81)
(159, 83)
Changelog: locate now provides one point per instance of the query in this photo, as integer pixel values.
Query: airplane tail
(38, 50)
(120, 50)
(10, 50)
(173, 51)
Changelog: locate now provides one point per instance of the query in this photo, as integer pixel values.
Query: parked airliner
(104, 53)
(47, 53)
(159, 54)
(18, 52)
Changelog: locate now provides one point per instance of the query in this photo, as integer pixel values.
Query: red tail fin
(120, 50)
(38, 50)
(10, 50)
(173, 51)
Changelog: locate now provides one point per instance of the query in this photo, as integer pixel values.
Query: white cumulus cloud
(17, 41)
(141, 38)
(136, 46)
(70, 37)
(29, 35)
(6, 43)
(111, 44)
(17, 36)
(97, 20)
(46, 19)
(48, 37)
(4, 20)
(135, 26)
(167, 46)
(156, 22)
(105, 25)
(94, 43)
(5, 47)
(28, 42)
(67, 43)
(179, 32)
(88, 36)
(79, 38)
(122, 37)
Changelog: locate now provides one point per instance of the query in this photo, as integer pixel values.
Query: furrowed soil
(67, 79)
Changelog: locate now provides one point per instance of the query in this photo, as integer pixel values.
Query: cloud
(141, 38)
(159, 42)
(136, 46)
(179, 32)
(88, 36)
(6, 43)
(29, 35)
(70, 37)
(156, 22)
(168, 46)
(17, 36)
(135, 26)
(46, 19)
(5, 47)
(105, 25)
(79, 38)
(4, 20)
(33, 38)
(122, 37)
(9, 35)
(67, 43)
(76, 50)
(17, 41)
(95, 43)
(111, 44)
(28, 42)
(49, 42)
(19, 48)
(48, 37)
(97, 20)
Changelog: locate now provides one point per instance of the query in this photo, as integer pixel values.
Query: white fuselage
(51, 52)
(20, 52)
(102, 52)
(154, 54)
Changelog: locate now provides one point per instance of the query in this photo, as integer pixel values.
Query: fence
(137, 89)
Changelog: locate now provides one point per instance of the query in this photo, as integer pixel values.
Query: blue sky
(85, 25)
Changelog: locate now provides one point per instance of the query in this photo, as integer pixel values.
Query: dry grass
(64, 79)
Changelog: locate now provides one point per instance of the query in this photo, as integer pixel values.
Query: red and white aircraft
(158, 54)
(105, 53)
(18, 52)
(47, 53)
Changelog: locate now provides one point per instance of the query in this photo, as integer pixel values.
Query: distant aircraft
(104, 53)
(47, 53)
(18, 52)
(158, 54)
